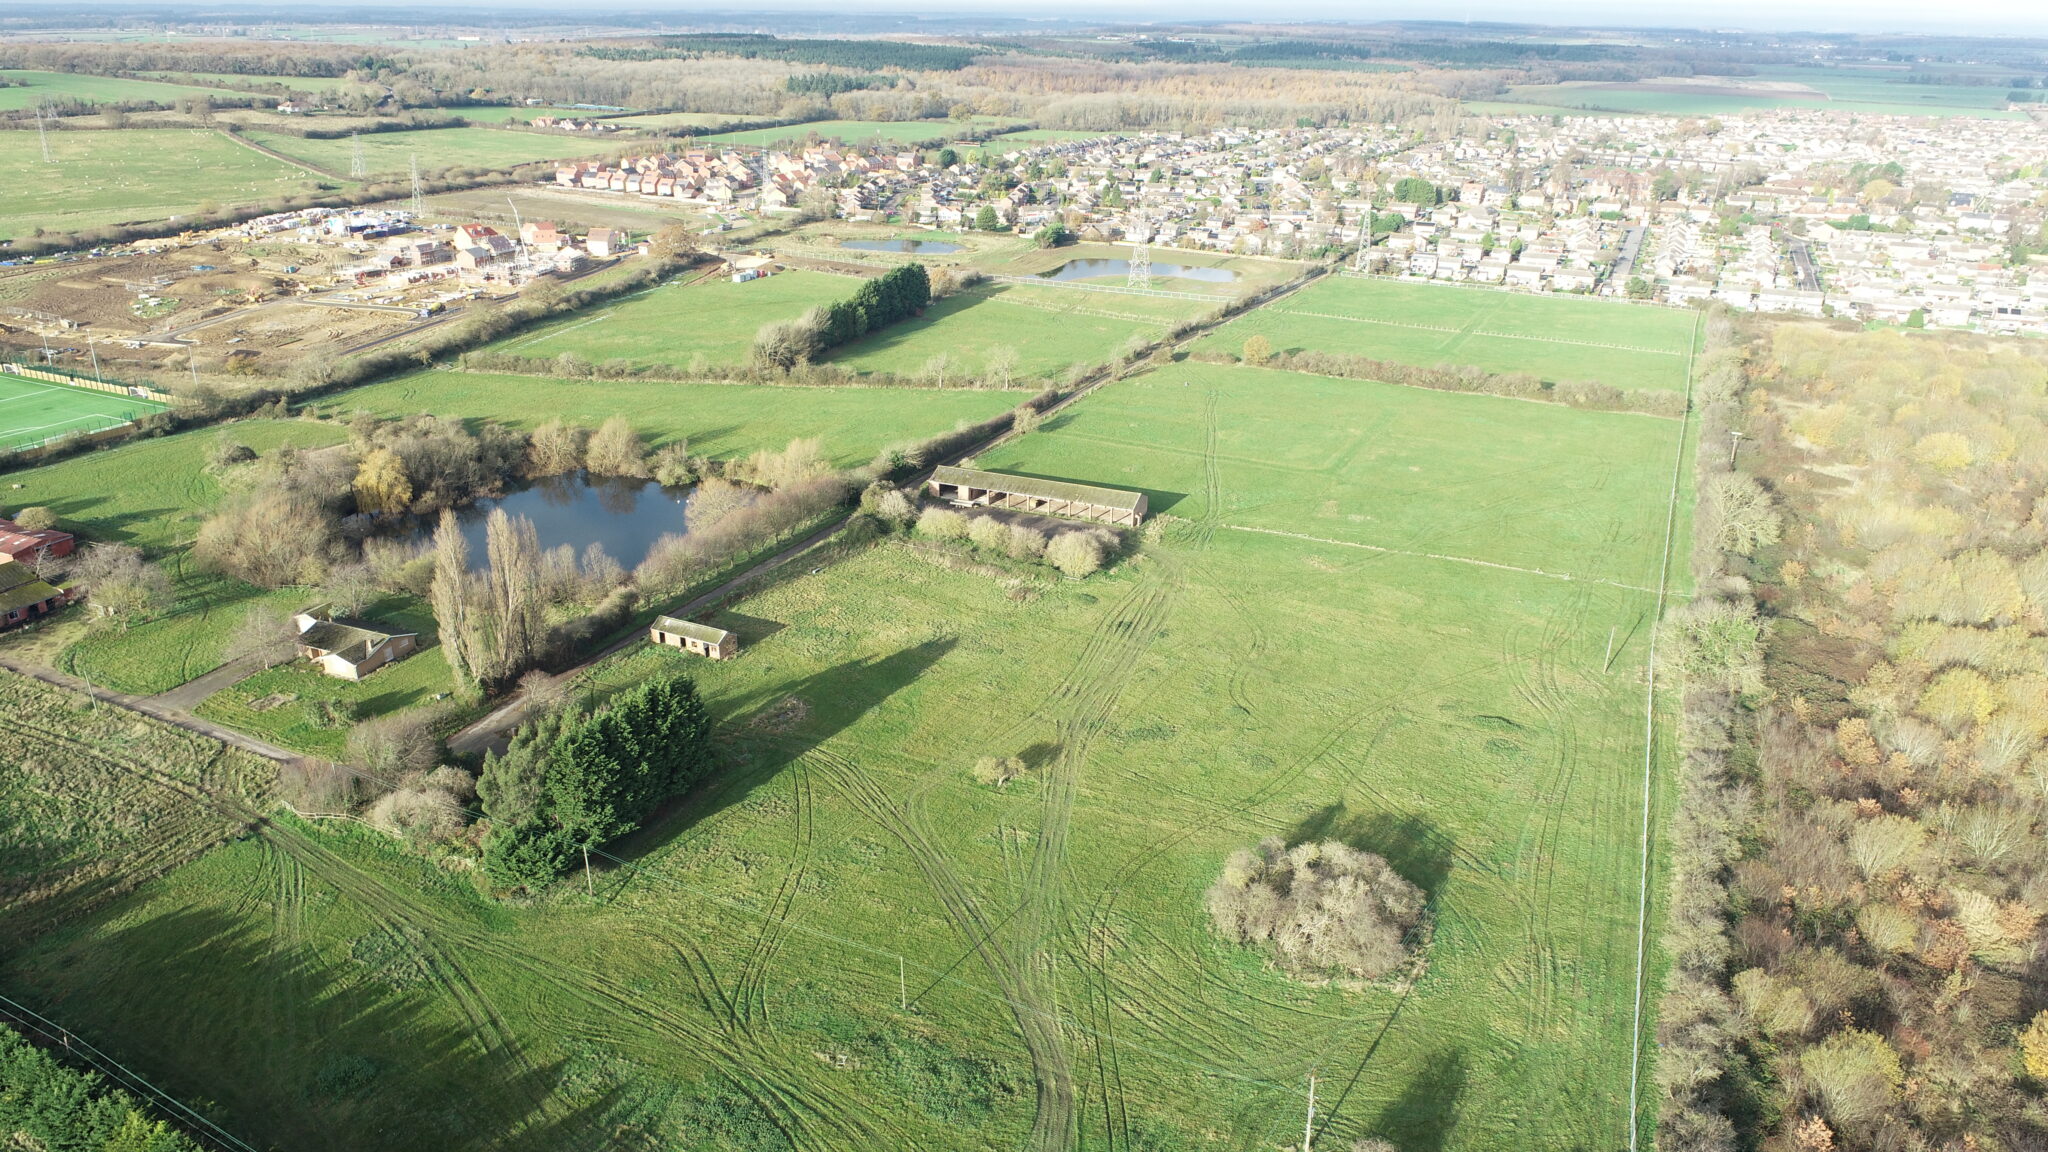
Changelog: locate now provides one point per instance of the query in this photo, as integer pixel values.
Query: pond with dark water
(914, 247)
(623, 515)
(1103, 269)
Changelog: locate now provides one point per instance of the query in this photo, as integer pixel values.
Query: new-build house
(974, 488)
(349, 649)
(703, 639)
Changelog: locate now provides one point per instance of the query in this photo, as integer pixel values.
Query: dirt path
(154, 707)
(187, 696)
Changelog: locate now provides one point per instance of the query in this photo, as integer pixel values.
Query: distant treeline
(833, 83)
(862, 54)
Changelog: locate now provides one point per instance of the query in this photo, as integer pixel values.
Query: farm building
(971, 487)
(29, 544)
(25, 595)
(702, 639)
(349, 649)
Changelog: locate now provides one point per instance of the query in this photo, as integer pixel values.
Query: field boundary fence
(57, 1039)
(59, 376)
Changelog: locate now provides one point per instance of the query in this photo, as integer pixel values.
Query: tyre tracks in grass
(765, 1077)
(750, 997)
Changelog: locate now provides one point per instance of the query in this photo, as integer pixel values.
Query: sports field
(1554, 337)
(33, 412)
(111, 177)
(1380, 614)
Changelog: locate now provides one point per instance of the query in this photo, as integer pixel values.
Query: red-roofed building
(28, 545)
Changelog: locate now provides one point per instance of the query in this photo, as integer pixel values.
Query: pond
(1119, 268)
(623, 515)
(914, 247)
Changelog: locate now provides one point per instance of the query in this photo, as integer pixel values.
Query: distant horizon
(1989, 19)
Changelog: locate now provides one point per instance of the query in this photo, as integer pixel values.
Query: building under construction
(974, 488)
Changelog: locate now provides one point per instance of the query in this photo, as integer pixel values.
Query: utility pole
(1735, 440)
(418, 202)
(43, 135)
(902, 987)
(95, 350)
(1308, 1128)
(358, 168)
(1608, 661)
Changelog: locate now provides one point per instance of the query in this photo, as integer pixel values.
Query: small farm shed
(25, 595)
(30, 544)
(702, 639)
(349, 649)
(971, 487)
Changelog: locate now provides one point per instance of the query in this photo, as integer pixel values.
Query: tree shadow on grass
(1422, 1117)
(285, 1048)
(1411, 844)
(775, 727)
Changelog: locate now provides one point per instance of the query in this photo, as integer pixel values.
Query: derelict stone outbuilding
(974, 488)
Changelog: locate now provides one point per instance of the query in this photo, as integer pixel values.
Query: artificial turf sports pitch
(34, 412)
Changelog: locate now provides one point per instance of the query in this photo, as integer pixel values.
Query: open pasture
(719, 420)
(63, 87)
(1553, 337)
(738, 986)
(33, 412)
(111, 177)
(1046, 329)
(387, 154)
(668, 325)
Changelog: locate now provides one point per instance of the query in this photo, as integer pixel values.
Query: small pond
(914, 247)
(624, 515)
(1100, 269)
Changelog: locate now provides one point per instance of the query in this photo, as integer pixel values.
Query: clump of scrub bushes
(1325, 909)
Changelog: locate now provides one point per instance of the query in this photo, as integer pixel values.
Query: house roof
(1043, 489)
(21, 587)
(352, 640)
(704, 633)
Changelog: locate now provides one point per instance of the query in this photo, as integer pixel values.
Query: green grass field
(1048, 328)
(33, 412)
(1554, 337)
(55, 87)
(670, 324)
(111, 177)
(1835, 90)
(153, 494)
(904, 132)
(1043, 136)
(719, 420)
(1338, 636)
(391, 153)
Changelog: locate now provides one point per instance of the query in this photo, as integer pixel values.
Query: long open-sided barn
(972, 487)
(702, 639)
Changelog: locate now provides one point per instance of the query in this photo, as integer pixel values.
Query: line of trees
(1859, 880)
(897, 294)
(45, 1105)
(571, 782)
